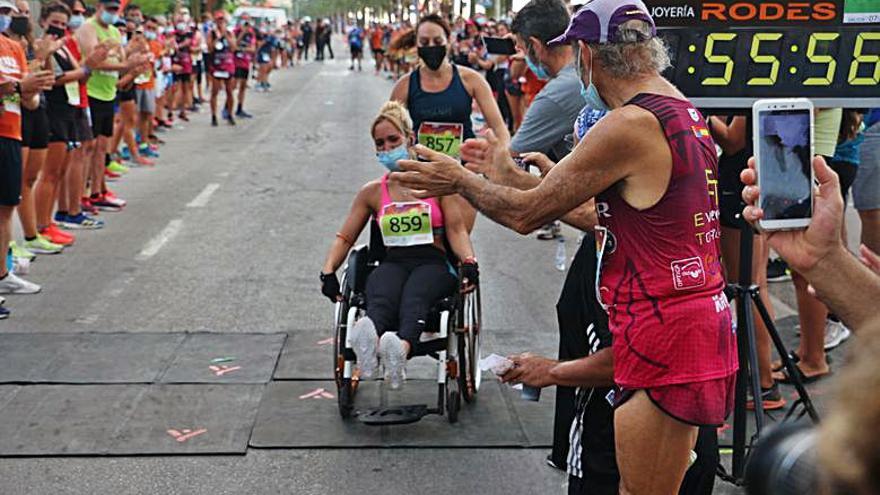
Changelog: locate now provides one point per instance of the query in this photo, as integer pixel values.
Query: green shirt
(102, 83)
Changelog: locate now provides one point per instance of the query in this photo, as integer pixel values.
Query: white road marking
(156, 243)
(223, 174)
(202, 199)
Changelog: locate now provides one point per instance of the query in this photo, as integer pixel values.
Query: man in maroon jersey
(651, 167)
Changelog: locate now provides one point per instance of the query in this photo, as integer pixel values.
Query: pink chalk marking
(326, 341)
(186, 434)
(223, 369)
(326, 395)
(314, 393)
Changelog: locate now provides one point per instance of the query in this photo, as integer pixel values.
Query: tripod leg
(790, 367)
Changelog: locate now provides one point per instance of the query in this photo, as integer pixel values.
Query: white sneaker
(394, 358)
(835, 334)
(13, 284)
(363, 340)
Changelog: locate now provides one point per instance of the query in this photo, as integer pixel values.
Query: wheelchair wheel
(469, 347)
(453, 404)
(346, 383)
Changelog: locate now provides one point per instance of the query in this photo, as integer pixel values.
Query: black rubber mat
(126, 419)
(94, 358)
(85, 358)
(297, 415)
(225, 358)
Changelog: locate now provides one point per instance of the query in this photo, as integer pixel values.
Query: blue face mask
(150, 35)
(590, 93)
(5, 21)
(539, 70)
(108, 18)
(389, 158)
(75, 22)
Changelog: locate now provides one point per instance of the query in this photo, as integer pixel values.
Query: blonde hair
(397, 115)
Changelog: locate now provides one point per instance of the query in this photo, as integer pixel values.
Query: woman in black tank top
(439, 92)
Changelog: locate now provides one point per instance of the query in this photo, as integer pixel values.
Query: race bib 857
(443, 137)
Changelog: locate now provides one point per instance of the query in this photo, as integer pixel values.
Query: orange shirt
(532, 86)
(156, 49)
(376, 38)
(13, 65)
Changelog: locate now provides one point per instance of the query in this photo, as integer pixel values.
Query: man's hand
(98, 55)
(539, 160)
(530, 369)
(438, 176)
(488, 156)
(36, 81)
(803, 249)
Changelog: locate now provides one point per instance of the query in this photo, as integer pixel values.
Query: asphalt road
(227, 234)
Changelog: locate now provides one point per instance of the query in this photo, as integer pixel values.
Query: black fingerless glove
(470, 273)
(330, 286)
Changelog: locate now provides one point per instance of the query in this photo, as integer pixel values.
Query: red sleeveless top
(661, 276)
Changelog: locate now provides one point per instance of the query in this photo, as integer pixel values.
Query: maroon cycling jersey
(661, 278)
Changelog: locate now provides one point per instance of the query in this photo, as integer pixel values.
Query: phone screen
(785, 176)
(499, 46)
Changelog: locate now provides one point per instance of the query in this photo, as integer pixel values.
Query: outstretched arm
(351, 229)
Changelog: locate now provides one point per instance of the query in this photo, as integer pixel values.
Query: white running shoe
(394, 358)
(835, 334)
(13, 284)
(363, 340)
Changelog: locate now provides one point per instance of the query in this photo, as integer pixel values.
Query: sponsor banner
(740, 13)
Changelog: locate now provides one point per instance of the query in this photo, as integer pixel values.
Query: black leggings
(402, 289)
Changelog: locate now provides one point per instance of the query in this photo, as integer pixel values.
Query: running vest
(661, 277)
(102, 83)
(450, 106)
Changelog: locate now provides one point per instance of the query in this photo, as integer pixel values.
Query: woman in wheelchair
(415, 273)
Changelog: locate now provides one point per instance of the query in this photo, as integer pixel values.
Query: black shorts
(730, 189)
(846, 171)
(127, 94)
(242, 73)
(182, 78)
(34, 128)
(62, 129)
(102, 117)
(378, 51)
(356, 51)
(10, 171)
(83, 125)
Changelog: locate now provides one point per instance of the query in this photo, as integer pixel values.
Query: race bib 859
(406, 224)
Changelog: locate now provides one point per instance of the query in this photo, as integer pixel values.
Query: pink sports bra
(436, 212)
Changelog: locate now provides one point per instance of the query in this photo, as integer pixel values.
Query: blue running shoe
(60, 217)
(148, 152)
(125, 154)
(225, 114)
(4, 313)
(243, 114)
(81, 222)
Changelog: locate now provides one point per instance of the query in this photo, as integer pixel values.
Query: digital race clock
(729, 53)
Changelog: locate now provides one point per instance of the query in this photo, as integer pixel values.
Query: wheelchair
(452, 337)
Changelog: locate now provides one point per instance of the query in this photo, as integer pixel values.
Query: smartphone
(499, 46)
(783, 141)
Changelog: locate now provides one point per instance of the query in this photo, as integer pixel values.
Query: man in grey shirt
(550, 117)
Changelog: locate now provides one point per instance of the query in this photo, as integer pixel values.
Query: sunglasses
(603, 241)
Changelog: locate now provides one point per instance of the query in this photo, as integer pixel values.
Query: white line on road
(160, 240)
(202, 199)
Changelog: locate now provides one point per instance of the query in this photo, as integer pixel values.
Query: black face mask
(55, 31)
(433, 56)
(19, 26)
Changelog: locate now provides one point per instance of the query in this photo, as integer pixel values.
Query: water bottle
(560, 253)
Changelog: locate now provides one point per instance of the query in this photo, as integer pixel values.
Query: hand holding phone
(783, 141)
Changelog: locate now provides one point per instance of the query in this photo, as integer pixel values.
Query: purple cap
(599, 20)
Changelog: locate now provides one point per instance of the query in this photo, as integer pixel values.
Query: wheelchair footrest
(393, 415)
